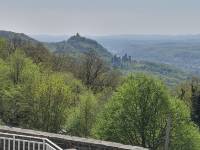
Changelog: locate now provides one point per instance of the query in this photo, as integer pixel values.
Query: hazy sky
(101, 17)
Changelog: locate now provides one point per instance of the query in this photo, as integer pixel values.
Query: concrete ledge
(67, 142)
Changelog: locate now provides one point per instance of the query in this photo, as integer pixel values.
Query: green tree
(3, 49)
(184, 134)
(189, 92)
(4, 85)
(17, 76)
(17, 63)
(52, 98)
(136, 114)
(95, 73)
(38, 53)
(195, 99)
(142, 113)
(82, 117)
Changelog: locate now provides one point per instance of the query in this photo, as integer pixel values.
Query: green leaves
(138, 113)
(4, 52)
(35, 98)
(184, 134)
(82, 117)
(51, 99)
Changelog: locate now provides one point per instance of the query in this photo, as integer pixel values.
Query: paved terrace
(66, 142)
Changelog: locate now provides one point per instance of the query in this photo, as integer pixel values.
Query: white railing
(23, 142)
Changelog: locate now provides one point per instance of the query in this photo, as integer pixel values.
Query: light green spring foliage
(184, 134)
(51, 99)
(15, 76)
(34, 98)
(4, 72)
(138, 113)
(22, 69)
(3, 49)
(82, 117)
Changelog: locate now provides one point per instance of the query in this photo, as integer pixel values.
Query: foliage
(15, 76)
(168, 73)
(138, 114)
(34, 98)
(189, 92)
(32, 48)
(96, 74)
(3, 48)
(82, 117)
(184, 134)
(51, 100)
(74, 95)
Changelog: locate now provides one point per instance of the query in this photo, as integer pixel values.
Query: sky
(100, 17)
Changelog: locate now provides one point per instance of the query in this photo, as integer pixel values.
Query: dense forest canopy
(84, 95)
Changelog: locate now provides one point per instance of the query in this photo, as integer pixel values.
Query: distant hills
(33, 48)
(149, 54)
(182, 51)
(21, 38)
(78, 44)
(75, 45)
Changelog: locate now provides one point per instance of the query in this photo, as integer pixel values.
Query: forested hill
(78, 44)
(75, 45)
(18, 37)
(33, 48)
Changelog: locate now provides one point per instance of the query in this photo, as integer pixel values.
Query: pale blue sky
(101, 17)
